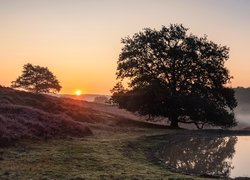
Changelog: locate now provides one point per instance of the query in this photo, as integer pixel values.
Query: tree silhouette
(175, 75)
(37, 79)
(210, 156)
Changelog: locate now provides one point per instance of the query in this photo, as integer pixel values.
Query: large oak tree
(176, 75)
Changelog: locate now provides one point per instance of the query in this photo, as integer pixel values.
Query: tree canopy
(177, 75)
(37, 79)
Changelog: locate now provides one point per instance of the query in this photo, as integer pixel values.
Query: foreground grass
(111, 155)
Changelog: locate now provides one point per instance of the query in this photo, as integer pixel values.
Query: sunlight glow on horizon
(78, 92)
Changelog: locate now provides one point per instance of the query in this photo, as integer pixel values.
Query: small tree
(37, 79)
(175, 75)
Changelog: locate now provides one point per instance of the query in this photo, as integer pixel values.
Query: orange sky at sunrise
(79, 40)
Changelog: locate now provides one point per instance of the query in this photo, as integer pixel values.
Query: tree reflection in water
(199, 155)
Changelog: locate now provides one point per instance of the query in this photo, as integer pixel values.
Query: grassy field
(105, 155)
(60, 138)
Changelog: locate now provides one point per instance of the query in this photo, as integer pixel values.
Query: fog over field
(242, 111)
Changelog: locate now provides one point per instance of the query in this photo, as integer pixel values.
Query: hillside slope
(27, 115)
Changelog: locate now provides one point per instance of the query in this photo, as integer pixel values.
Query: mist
(242, 111)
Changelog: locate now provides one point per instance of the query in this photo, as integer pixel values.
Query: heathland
(48, 137)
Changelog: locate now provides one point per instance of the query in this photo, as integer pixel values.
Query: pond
(227, 157)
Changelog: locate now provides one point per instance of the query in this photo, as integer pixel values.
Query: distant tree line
(242, 94)
(101, 100)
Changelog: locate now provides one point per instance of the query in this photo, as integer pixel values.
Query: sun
(78, 92)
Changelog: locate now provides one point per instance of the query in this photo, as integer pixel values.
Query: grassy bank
(106, 155)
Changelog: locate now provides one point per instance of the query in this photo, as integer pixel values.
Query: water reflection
(195, 155)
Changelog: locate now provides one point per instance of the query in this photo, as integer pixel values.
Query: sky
(80, 40)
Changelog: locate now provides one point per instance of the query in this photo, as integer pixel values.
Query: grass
(105, 155)
(120, 148)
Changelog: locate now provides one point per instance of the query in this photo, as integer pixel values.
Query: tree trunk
(174, 122)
